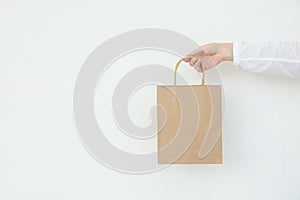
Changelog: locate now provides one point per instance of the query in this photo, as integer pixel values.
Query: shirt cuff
(236, 60)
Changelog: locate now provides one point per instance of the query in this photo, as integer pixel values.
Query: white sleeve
(278, 58)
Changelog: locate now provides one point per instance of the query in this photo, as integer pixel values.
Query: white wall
(42, 47)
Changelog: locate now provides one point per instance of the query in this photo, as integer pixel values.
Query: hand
(209, 55)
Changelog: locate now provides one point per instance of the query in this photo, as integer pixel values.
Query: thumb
(187, 58)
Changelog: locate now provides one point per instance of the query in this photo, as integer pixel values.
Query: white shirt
(278, 58)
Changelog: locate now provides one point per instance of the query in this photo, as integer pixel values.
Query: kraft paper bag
(189, 123)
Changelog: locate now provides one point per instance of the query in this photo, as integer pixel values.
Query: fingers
(193, 61)
(207, 55)
(198, 65)
(194, 57)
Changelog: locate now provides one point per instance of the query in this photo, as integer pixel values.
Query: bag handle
(177, 66)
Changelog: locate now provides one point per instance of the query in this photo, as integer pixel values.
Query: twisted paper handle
(177, 66)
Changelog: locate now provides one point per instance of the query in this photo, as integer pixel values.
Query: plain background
(42, 47)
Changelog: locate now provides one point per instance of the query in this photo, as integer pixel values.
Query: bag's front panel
(185, 116)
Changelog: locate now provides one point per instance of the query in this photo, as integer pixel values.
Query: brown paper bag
(189, 123)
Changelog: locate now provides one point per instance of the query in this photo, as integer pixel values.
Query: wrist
(227, 51)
